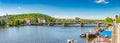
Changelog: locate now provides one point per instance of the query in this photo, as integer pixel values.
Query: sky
(86, 9)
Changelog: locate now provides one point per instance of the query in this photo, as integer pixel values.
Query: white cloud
(101, 1)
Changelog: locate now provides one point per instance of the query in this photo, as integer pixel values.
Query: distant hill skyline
(89, 9)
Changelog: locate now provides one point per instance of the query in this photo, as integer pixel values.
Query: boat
(82, 35)
(89, 35)
(71, 41)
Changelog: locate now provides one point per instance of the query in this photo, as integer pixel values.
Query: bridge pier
(81, 24)
(51, 24)
(42, 24)
(65, 24)
(98, 25)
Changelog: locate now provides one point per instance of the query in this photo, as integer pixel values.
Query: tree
(118, 20)
(35, 20)
(107, 21)
(13, 22)
(32, 15)
(2, 22)
(22, 21)
(10, 23)
(17, 22)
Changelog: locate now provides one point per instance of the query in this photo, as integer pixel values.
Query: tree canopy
(31, 15)
(118, 19)
(108, 20)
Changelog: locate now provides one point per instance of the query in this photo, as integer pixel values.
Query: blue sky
(87, 9)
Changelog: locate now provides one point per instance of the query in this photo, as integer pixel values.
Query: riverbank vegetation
(34, 18)
(2, 22)
(31, 15)
(16, 22)
(19, 19)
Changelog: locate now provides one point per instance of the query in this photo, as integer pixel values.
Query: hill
(31, 15)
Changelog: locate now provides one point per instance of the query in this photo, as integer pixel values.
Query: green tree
(118, 20)
(2, 22)
(32, 15)
(10, 23)
(17, 22)
(13, 22)
(22, 22)
(35, 21)
(107, 21)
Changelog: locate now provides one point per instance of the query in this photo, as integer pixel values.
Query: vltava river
(42, 34)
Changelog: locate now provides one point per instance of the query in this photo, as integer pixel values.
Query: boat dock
(115, 37)
(91, 33)
(104, 37)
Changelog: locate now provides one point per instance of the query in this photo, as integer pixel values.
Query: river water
(42, 34)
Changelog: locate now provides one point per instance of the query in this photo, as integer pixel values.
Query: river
(42, 34)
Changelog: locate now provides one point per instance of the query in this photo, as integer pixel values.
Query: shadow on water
(90, 39)
(2, 27)
(75, 26)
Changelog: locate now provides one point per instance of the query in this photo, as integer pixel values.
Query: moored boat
(89, 35)
(71, 41)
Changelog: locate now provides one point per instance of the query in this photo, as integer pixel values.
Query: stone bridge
(68, 23)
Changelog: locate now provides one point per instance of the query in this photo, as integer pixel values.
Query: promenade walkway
(116, 33)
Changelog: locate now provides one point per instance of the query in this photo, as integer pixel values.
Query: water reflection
(42, 34)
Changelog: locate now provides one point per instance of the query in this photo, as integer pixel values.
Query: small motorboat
(82, 35)
(89, 36)
(71, 41)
